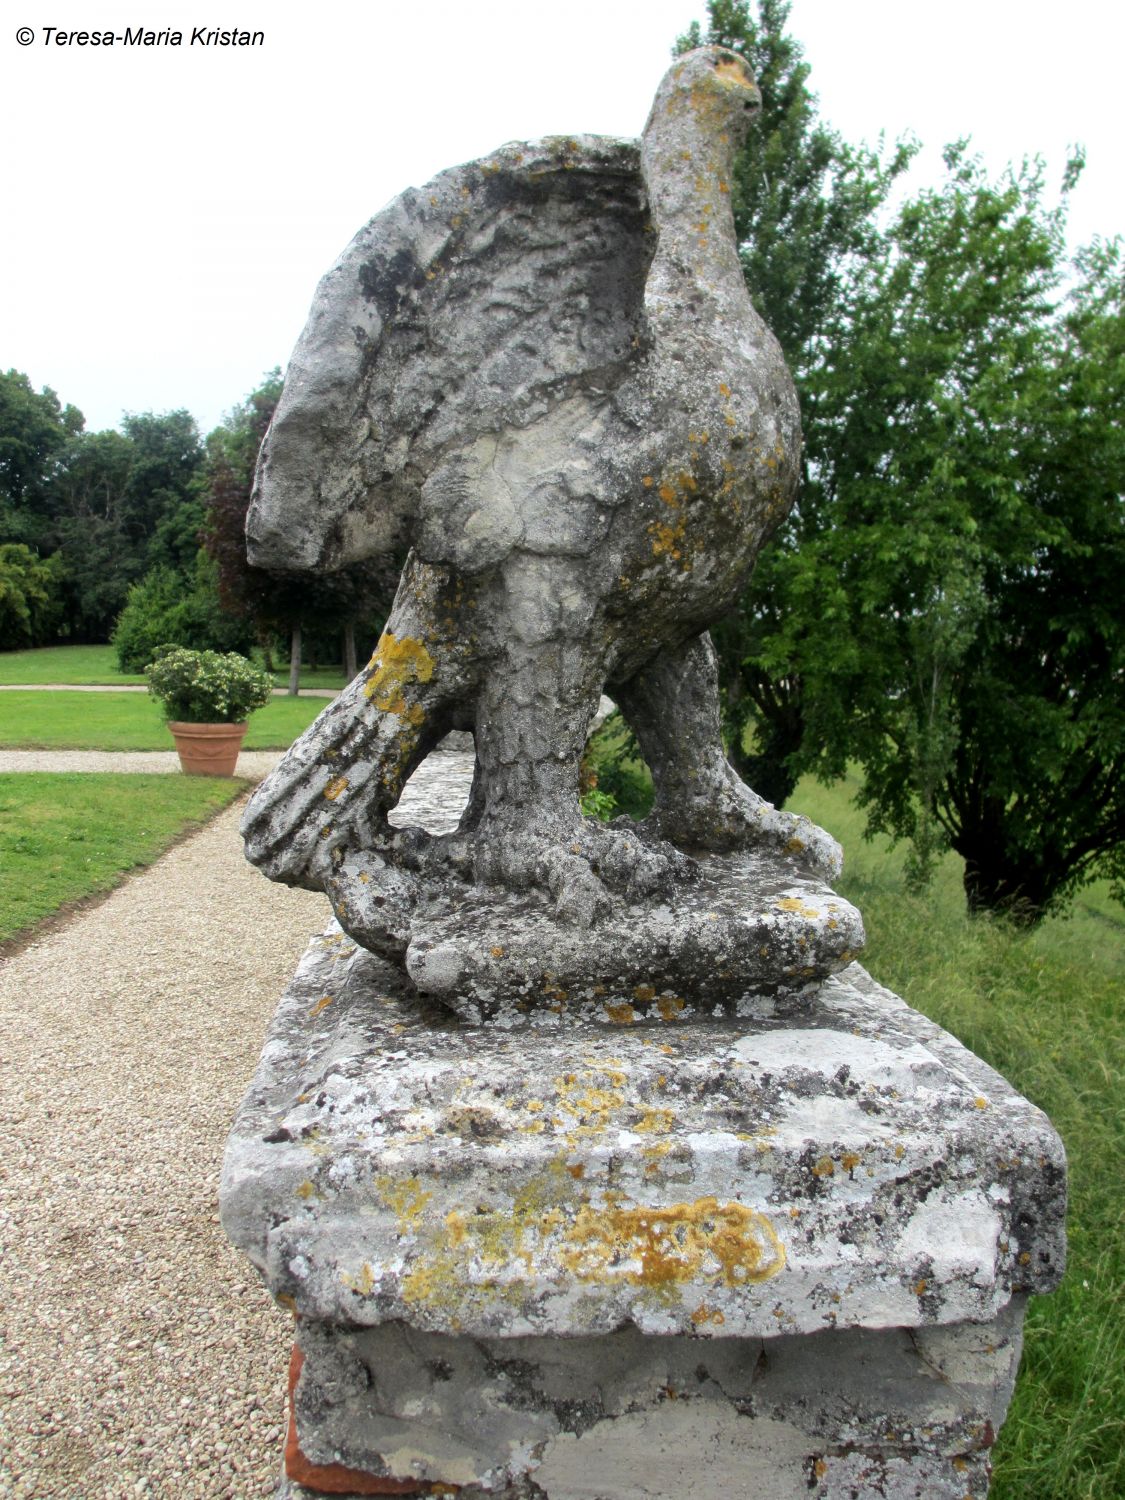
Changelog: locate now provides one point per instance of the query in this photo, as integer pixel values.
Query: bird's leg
(533, 717)
(330, 795)
(672, 706)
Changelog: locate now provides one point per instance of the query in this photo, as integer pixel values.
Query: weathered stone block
(631, 1416)
(615, 1260)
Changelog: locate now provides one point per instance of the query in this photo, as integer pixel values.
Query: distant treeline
(137, 536)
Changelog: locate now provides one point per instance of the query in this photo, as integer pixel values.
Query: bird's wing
(468, 307)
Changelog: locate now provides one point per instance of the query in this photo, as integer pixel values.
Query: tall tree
(954, 616)
(942, 603)
(87, 532)
(29, 602)
(164, 480)
(34, 429)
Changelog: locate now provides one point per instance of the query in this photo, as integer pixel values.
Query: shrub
(165, 606)
(206, 687)
(616, 779)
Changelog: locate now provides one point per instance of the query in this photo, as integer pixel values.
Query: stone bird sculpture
(541, 374)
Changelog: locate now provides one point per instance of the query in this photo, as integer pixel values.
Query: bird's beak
(734, 75)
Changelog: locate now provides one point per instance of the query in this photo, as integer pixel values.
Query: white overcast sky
(168, 212)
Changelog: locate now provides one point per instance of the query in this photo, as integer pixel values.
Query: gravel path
(135, 687)
(139, 1355)
(252, 763)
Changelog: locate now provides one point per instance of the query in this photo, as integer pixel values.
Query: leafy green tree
(953, 614)
(29, 597)
(805, 209)
(87, 532)
(164, 474)
(168, 609)
(941, 605)
(122, 505)
(34, 428)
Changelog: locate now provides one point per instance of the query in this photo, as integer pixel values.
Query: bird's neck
(687, 162)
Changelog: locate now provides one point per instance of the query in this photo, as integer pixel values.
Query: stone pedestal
(784, 1254)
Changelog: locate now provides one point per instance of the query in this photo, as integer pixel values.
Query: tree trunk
(350, 667)
(295, 662)
(1020, 896)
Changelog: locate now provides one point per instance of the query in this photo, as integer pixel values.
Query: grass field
(66, 837)
(76, 665)
(80, 666)
(128, 721)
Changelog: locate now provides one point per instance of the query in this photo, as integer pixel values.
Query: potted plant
(206, 697)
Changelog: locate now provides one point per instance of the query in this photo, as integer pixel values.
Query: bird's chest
(703, 519)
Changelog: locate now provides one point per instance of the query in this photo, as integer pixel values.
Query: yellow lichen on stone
(322, 1004)
(335, 787)
(396, 666)
(363, 1283)
(670, 1006)
(455, 1227)
(621, 1015)
(581, 1100)
(405, 1198)
(794, 903)
(665, 538)
(663, 1247)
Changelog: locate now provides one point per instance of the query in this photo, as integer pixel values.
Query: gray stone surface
(544, 374)
(846, 1164)
(743, 928)
(892, 1412)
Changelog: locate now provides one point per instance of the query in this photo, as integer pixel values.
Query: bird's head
(716, 86)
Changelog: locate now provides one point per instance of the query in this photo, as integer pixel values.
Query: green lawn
(63, 837)
(78, 665)
(128, 721)
(82, 665)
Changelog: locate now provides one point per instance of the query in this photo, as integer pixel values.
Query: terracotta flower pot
(208, 749)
